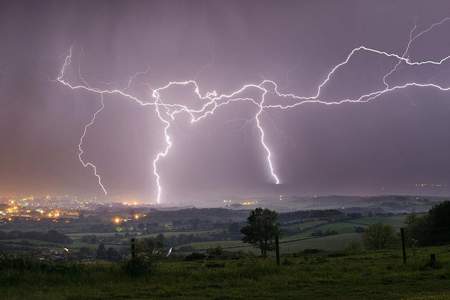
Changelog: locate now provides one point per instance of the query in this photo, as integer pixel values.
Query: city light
(117, 220)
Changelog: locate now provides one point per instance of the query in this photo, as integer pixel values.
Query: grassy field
(368, 275)
(289, 245)
(305, 240)
(328, 243)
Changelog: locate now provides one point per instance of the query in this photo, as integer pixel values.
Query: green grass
(308, 228)
(371, 275)
(328, 243)
(289, 244)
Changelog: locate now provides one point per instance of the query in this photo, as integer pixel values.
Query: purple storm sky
(386, 146)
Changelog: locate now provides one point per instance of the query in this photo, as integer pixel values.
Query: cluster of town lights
(119, 220)
(21, 208)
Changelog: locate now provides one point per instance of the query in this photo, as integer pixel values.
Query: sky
(389, 145)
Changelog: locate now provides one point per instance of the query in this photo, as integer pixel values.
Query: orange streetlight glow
(117, 220)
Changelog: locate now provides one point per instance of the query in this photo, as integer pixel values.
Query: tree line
(51, 236)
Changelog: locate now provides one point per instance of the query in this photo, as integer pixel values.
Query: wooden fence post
(402, 233)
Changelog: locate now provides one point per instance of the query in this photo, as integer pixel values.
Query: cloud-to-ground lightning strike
(80, 146)
(165, 151)
(263, 141)
(211, 101)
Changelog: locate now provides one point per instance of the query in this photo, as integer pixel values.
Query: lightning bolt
(211, 101)
(165, 151)
(262, 139)
(80, 146)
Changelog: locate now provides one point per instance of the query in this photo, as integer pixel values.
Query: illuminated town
(62, 208)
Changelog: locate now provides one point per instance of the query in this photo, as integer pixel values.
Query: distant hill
(376, 204)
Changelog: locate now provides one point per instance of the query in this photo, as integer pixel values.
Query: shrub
(378, 236)
(431, 229)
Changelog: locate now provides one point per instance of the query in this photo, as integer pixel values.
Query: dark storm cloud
(393, 143)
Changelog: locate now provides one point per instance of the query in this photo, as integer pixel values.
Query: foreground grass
(372, 275)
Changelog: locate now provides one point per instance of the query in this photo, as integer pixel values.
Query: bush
(378, 236)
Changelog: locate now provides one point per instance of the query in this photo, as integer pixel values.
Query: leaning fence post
(402, 233)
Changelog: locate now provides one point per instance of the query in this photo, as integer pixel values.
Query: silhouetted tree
(439, 220)
(261, 229)
(431, 229)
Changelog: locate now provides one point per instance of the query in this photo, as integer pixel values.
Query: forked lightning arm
(211, 101)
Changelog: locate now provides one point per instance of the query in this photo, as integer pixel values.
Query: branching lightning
(212, 101)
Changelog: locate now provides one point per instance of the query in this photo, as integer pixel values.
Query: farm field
(289, 245)
(342, 234)
(345, 234)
